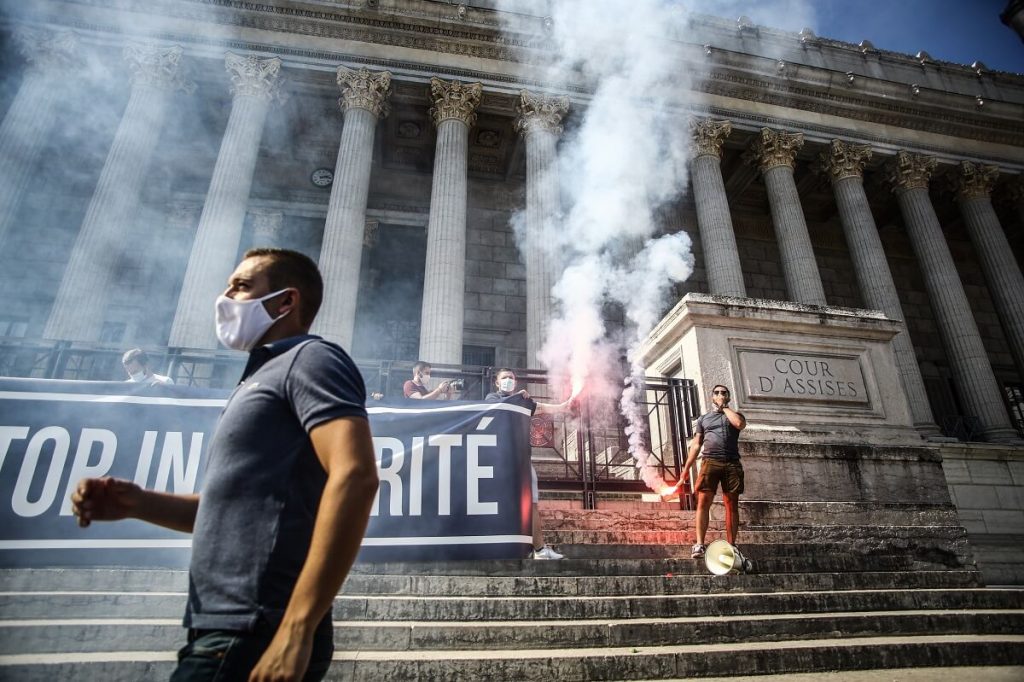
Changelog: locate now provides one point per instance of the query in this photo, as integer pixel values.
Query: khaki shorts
(715, 471)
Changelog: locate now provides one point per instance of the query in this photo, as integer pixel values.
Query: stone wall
(986, 483)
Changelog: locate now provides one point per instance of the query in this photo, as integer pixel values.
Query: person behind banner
(718, 432)
(416, 387)
(136, 364)
(289, 484)
(505, 383)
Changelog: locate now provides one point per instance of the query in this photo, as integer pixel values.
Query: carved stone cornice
(157, 66)
(975, 181)
(364, 89)
(708, 136)
(48, 51)
(775, 148)
(539, 113)
(454, 100)
(845, 160)
(253, 76)
(911, 171)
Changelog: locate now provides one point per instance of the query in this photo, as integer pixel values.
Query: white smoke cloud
(626, 158)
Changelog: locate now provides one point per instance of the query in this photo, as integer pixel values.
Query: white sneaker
(546, 552)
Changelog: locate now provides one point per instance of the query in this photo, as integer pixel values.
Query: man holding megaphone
(718, 431)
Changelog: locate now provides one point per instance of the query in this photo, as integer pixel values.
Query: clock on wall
(322, 177)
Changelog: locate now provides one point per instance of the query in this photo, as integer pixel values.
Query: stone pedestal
(827, 416)
(798, 373)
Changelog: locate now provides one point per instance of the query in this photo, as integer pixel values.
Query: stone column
(1001, 269)
(363, 101)
(776, 155)
(78, 310)
(51, 58)
(844, 164)
(454, 113)
(540, 124)
(717, 238)
(254, 83)
(267, 224)
(976, 384)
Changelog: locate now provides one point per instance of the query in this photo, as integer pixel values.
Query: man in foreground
(289, 483)
(718, 431)
(505, 383)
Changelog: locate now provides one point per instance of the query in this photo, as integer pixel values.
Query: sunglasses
(721, 393)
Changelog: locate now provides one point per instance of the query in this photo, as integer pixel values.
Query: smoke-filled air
(623, 158)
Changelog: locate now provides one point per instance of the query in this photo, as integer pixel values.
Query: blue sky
(961, 31)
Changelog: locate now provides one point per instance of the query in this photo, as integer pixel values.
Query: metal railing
(584, 451)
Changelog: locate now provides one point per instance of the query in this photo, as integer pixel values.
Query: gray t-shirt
(721, 438)
(263, 482)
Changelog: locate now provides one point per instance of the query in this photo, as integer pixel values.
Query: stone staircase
(835, 588)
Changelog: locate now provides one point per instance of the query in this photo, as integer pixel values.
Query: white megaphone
(722, 558)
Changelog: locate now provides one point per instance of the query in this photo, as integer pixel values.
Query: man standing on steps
(718, 431)
(505, 383)
(289, 484)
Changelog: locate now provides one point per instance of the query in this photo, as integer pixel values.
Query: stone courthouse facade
(146, 143)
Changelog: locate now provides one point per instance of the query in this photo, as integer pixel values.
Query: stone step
(18, 604)
(726, 599)
(757, 513)
(618, 663)
(858, 555)
(750, 535)
(149, 634)
(770, 559)
(660, 606)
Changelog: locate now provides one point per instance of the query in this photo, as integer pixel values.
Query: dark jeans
(227, 656)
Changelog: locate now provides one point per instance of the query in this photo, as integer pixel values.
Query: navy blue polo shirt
(721, 438)
(263, 482)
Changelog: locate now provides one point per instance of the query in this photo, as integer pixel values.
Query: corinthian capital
(845, 160)
(538, 113)
(253, 76)
(708, 136)
(47, 51)
(363, 89)
(156, 66)
(975, 181)
(911, 171)
(774, 148)
(454, 100)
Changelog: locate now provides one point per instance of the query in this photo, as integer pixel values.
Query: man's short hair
(503, 369)
(420, 366)
(720, 386)
(289, 268)
(136, 354)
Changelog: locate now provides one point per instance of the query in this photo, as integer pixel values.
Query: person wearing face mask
(136, 364)
(290, 479)
(718, 432)
(417, 386)
(505, 383)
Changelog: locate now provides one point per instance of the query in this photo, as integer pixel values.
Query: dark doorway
(390, 295)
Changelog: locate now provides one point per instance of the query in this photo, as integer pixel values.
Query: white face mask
(240, 324)
(507, 385)
(137, 376)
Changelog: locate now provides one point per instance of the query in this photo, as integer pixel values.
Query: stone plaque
(778, 375)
